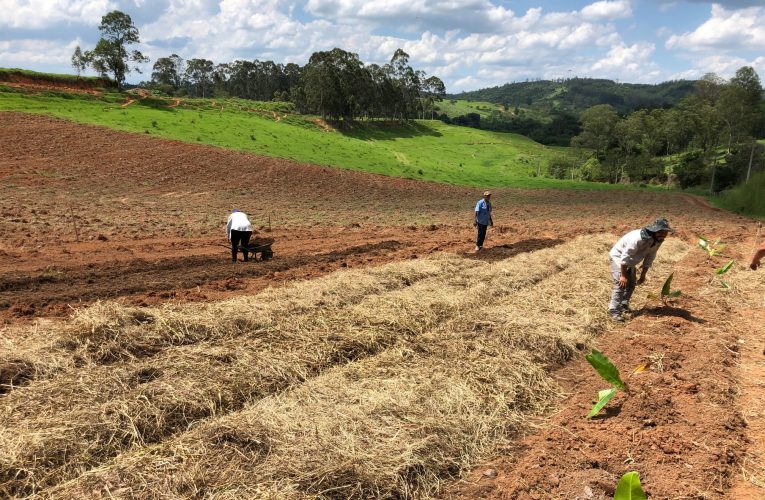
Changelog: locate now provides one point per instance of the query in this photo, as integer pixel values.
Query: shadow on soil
(669, 311)
(500, 252)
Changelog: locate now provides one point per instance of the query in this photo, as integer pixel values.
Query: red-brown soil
(27, 83)
(677, 427)
(90, 213)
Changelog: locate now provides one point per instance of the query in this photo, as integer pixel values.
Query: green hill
(25, 76)
(428, 150)
(577, 94)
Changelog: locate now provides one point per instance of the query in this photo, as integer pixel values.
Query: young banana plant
(608, 371)
(713, 249)
(720, 271)
(629, 488)
(666, 293)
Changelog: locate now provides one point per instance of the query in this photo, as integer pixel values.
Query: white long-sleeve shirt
(632, 249)
(237, 221)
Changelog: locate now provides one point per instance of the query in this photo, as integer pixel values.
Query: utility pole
(751, 157)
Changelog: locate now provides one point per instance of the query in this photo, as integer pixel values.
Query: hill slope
(577, 94)
(426, 150)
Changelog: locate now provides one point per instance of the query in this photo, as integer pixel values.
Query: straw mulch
(388, 394)
(441, 382)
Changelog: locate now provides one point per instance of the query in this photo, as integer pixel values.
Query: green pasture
(427, 150)
(452, 108)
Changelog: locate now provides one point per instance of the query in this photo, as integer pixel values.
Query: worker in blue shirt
(482, 219)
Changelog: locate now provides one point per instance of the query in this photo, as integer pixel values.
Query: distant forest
(335, 84)
(556, 105)
(577, 94)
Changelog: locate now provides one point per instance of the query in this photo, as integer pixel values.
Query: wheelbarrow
(260, 246)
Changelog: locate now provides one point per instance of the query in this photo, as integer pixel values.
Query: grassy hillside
(578, 94)
(454, 107)
(428, 150)
(746, 198)
(25, 75)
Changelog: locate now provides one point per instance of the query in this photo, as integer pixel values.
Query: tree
(748, 80)
(168, 71)
(598, 127)
(434, 90)
(79, 61)
(111, 54)
(199, 73)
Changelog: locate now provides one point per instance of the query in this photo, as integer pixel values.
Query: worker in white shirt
(238, 230)
(635, 247)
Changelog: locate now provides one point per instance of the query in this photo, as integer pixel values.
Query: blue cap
(234, 210)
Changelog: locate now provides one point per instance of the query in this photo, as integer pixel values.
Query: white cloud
(630, 63)
(742, 29)
(724, 66)
(468, 43)
(37, 14)
(605, 9)
(20, 53)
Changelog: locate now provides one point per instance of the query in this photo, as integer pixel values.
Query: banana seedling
(713, 249)
(666, 293)
(629, 488)
(720, 271)
(610, 374)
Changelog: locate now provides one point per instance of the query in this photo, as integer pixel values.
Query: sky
(469, 44)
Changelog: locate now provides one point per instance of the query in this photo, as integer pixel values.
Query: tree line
(708, 139)
(335, 84)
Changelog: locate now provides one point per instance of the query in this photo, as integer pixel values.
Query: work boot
(617, 318)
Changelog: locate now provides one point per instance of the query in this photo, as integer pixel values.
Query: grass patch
(747, 199)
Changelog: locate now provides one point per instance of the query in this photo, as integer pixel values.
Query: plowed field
(448, 373)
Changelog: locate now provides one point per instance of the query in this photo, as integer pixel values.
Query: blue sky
(469, 44)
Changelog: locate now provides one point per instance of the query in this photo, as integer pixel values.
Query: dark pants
(242, 237)
(481, 235)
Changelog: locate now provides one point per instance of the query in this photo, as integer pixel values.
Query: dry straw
(391, 394)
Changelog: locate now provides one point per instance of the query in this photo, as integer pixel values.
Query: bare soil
(89, 213)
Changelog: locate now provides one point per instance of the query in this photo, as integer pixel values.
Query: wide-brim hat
(487, 193)
(660, 224)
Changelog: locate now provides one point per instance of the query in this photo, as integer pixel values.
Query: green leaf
(721, 248)
(725, 285)
(605, 368)
(665, 290)
(629, 488)
(604, 397)
(674, 294)
(724, 269)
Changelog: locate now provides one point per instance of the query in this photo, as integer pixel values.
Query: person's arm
(629, 252)
(647, 263)
(228, 228)
(477, 209)
(623, 279)
(757, 257)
